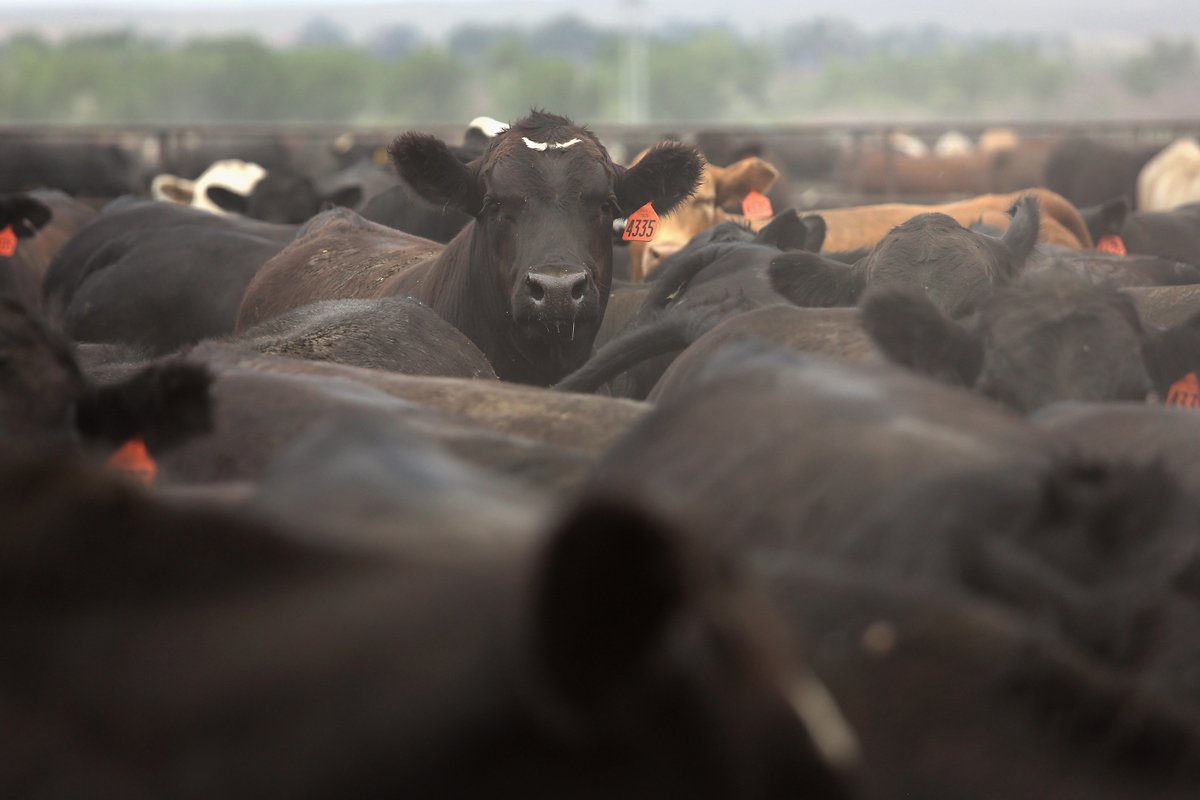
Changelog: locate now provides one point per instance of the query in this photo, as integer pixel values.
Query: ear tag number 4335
(641, 225)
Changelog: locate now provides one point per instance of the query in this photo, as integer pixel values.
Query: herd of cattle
(430, 483)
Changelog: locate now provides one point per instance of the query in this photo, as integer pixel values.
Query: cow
(81, 169)
(21, 218)
(610, 657)
(158, 276)
(392, 333)
(954, 695)
(831, 332)
(290, 198)
(955, 267)
(1171, 178)
(230, 176)
(528, 279)
(1088, 172)
(1173, 234)
(864, 226)
(264, 403)
(1043, 339)
(718, 187)
(772, 450)
(47, 402)
(1110, 269)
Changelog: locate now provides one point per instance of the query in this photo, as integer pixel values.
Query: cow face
(544, 196)
(719, 186)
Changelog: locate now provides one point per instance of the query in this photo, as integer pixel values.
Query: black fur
(810, 280)
(911, 331)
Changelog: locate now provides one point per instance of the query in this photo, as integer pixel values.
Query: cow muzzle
(556, 294)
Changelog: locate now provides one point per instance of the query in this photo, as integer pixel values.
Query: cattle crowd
(506, 468)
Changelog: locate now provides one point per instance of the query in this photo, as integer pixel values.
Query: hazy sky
(1108, 18)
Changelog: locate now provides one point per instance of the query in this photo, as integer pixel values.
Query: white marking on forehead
(543, 146)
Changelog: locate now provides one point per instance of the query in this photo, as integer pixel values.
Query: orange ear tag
(133, 460)
(757, 205)
(1185, 392)
(8, 242)
(641, 225)
(1111, 244)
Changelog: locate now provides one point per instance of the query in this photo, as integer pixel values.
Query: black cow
(290, 198)
(779, 450)
(222, 657)
(157, 275)
(403, 209)
(528, 280)
(21, 217)
(77, 168)
(1088, 172)
(1112, 270)
(393, 333)
(46, 400)
(1045, 338)
(1173, 234)
(956, 267)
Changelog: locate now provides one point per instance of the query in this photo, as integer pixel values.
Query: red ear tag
(1185, 392)
(133, 460)
(1111, 244)
(8, 242)
(757, 205)
(641, 225)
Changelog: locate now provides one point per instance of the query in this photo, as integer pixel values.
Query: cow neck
(468, 291)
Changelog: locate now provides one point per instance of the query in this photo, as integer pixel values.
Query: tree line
(695, 73)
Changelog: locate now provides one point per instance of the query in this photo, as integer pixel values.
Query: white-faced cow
(528, 279)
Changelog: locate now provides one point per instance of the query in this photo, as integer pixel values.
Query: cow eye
(609, 206)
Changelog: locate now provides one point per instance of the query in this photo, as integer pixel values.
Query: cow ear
(347, 197)
(164, 404)
(785, 231)
(1022, 233)
(25, 214)
(810, 280)
(428, 166)
(1106, 219)
(912, 331)
(228, 200)
(608, 587)
(751, 174)
(666, 175)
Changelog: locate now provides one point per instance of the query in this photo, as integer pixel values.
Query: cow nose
(557, 292)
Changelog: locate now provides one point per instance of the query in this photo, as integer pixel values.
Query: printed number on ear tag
(8, 242)
(757, 205)
(1185, 392)
(641, 225)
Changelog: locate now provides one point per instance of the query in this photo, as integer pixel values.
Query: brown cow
(41, 222)
(528, 279)
(864, 226)
(719, 186)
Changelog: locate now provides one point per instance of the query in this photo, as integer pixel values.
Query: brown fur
(864, 226)
(719, 186)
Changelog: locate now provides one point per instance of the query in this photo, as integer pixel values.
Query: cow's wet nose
(557, 293)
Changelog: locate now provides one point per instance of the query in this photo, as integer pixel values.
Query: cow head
(718, 187)
(543, 196)
(1043, 339)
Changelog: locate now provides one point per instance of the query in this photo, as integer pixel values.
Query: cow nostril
(536, 290)
(578, 289)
